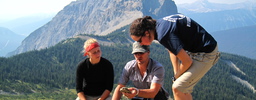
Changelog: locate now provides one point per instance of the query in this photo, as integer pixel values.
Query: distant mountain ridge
(28, 24)
(240, 41)
(224, 20)
(8, 41)
(204, 6)
(98, 17)
(23, 27)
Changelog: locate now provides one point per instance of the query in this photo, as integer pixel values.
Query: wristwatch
(137, 91)
(173, 78)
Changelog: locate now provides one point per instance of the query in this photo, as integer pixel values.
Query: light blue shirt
(154, 74)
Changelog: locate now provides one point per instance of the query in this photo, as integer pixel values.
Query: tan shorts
(202, 63)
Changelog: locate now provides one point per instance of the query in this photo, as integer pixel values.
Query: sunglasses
(140, 39)
(139, 53)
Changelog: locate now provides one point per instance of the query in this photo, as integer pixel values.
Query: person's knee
(175, 88)
(179, 90)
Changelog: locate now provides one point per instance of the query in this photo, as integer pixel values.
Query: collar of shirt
(149, 67)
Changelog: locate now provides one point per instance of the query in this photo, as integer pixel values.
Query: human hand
(125, 90)
(129, 92)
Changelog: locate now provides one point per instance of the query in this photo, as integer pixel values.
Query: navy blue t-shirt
(177, 31)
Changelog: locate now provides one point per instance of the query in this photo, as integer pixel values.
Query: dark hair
(140, 25)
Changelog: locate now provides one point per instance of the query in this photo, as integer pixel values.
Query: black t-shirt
(177, 31)
(93, 80)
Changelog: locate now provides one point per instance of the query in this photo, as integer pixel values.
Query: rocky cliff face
(98, 17)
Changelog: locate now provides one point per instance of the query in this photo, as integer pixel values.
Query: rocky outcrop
(98, 17)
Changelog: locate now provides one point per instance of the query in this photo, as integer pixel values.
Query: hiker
(193, 51)
(146, 74)
(94, 75)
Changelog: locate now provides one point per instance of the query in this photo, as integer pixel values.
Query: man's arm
(144, 93)
(150, 93)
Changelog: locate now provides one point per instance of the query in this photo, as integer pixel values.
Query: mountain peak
(98, 17)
